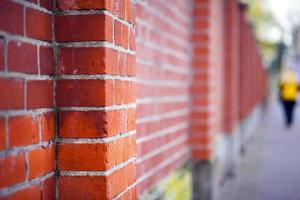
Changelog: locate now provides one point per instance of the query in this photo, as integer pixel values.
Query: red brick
(2, 134)
(38, 25)
(91, 124)
(29, 193)
(22, 57)
(48, 189)
(129, 147)
(129, 14)
(77, 28)
(11, 93)
(39, 94)
(47, 126)
(118, 8)
(84, 93)
(23, 130)
(41, 161)
(121, 33)
(11, 17)
(131, 119)
(48, 4)
(130, 65)
(46, 60)
(81, 61)
(81, 4)
(2, 43)
(91, 61)
(202, 154)
(132, 39)
(12, 169)
(82, 157)
(85, 187)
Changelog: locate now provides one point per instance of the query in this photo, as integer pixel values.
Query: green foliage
(267, 30)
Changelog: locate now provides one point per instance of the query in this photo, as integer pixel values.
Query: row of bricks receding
(147, 32)
(35, 59)
(152, 51)
(159, 109)
(84, 93)
(38, 25)
(20, 167)
(99, 187)
(178, 13)
(158, 172)
(144, 149)
(151, 71)
(146, 90)
(157, 128)
(146, 165)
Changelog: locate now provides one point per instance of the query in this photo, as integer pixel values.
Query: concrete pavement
(270, 169)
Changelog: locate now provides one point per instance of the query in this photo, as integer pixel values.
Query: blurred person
(288, 94)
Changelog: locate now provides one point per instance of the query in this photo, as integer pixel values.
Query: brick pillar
(231, 84)
(206, 92)
(95, 99)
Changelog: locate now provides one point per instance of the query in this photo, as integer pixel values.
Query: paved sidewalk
(270, 170)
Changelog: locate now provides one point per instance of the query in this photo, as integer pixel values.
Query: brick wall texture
(102, 99)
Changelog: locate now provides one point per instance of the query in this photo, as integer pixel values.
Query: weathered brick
(82, 61)
(22, 57)
(23, 130)
(47, 126)
(11, 17)
(41, 161)
(12, 169)
(11, 93)
(81, 4)
(91, 124)
(38, 25)
(78, 28)
(84, 157)
(84, 93)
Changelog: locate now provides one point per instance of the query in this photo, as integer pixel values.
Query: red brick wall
(27, 159)
(163, 80)
(78, 119)
(207, 87)
(252, 76)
